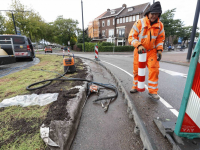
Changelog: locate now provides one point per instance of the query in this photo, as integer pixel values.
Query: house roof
(138, 9)
(101, 15)
(112, 12)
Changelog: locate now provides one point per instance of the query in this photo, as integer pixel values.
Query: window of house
(113, 21)
(103, 32)
(120, 20)
(108, 22)
(130, 9)
(130, 18)
(137, 17)
(133, 18)
(117, 31)
(126, 19)
(121, 32)
(117, 21)
(103, 24)
(112, 11)
(111, 32)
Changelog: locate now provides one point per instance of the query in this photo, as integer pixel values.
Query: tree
(186, 33)
(86, 38)
(172, 27)
(65, 30)
(2, 24)
(29, 23)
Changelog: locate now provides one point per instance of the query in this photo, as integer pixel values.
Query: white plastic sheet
(28, 100)
(44, 133)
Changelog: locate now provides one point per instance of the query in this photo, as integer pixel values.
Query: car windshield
(16, 40)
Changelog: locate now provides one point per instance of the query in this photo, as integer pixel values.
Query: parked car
(22, 46)
(48, 49)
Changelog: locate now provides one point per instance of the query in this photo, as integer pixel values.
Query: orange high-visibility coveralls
(152, 38)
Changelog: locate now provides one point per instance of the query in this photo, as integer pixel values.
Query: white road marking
(173, 73)
(174, 111)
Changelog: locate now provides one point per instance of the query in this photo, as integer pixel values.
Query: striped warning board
(96, 52)
(191, 121)
(188, 122)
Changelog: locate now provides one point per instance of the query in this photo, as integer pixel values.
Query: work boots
(154, 96)
(133, 91)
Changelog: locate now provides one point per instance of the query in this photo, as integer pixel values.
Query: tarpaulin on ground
(28, 100)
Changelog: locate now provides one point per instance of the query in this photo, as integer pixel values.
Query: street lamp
(83, 26)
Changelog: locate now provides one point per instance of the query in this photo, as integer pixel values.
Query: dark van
(22, 46)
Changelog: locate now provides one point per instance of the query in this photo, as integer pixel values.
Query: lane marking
(173, 73)
(166, 104)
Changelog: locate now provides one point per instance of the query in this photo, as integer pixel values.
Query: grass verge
(20, 125)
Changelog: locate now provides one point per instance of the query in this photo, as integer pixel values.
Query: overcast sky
(50, 9)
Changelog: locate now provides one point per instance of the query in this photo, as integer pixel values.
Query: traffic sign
(188, 122)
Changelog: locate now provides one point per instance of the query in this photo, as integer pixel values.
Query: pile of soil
(57, 110)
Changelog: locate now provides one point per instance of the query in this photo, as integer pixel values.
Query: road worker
(147, 34)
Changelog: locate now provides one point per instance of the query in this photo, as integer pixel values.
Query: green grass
(11, 134)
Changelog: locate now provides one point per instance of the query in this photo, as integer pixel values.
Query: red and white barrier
(63, 53)
(141, 72)
(96, 53)
(68, 50)
(191, 121)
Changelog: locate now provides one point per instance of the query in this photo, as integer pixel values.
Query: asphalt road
(171, 87)
(19, 65)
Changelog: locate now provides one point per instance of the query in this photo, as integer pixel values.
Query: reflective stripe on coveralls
(152, 38)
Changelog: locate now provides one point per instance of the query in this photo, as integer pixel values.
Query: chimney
(124, 5)
(108, 9)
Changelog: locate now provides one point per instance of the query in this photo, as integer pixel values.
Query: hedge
(106, 44)
(79, 45)
(89, 47)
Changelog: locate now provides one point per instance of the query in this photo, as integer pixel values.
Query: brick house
(115, 24)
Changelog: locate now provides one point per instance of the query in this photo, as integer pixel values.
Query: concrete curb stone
(63, 132)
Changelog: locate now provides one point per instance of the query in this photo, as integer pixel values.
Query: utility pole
(196, 17)
(14, 23)
(14, 18)
(83, 26)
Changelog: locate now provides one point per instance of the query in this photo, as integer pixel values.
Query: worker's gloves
(141, 49)
(159, 54)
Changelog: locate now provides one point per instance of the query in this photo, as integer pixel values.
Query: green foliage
(107, 44)
(186, 33)
(2, 22)
(89, 47)
(79, 45)
(175, 41)
(86, 38)
(65, 30)
(172, 26)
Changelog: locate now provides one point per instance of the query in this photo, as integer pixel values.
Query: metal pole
(196, 17)
(153, 1)
(83, 26)
(14, 23)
